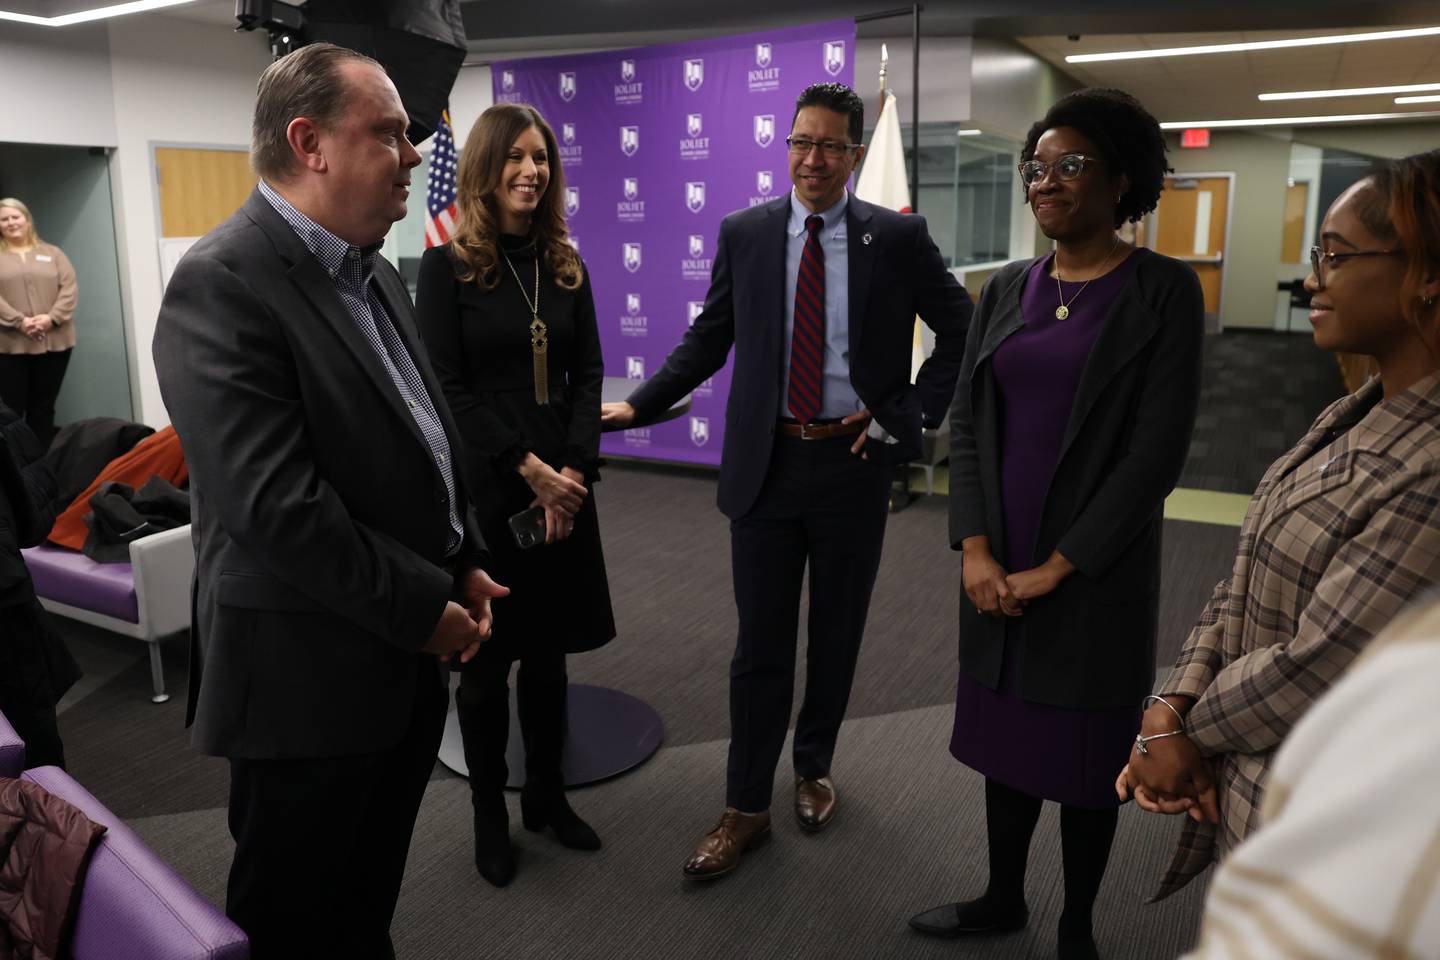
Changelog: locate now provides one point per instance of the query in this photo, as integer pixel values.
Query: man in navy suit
(817, 292)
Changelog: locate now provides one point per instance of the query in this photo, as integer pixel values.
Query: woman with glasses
(1069, 427)
(1341, 532)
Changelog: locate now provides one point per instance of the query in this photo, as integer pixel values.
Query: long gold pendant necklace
(539, 339)
(1063, 311)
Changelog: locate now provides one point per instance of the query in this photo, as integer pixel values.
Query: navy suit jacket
(894, 276)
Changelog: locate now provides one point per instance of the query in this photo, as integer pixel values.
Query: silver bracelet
(1156, 698)
(1140, 741)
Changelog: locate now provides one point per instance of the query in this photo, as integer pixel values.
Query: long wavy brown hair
(477, 231)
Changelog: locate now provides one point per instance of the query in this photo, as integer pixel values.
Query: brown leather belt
(819, 431)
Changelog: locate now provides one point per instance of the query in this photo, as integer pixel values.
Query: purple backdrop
(658, 144)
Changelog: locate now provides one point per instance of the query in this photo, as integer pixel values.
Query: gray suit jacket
(320, 518)
(1090, 643)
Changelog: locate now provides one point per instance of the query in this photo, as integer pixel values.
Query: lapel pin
(866, 239)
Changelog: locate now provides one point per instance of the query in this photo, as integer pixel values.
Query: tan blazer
(1341, 532)
(35, 282)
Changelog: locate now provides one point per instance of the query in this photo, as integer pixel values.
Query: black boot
(482, 705)
(541, 690)
(542, 807)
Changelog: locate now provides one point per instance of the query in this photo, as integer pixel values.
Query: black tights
(1085, 838)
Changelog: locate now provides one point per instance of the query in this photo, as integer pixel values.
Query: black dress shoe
(549, 808)
(970, 918)
(494, 856)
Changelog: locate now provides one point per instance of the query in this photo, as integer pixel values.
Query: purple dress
(1070, 756)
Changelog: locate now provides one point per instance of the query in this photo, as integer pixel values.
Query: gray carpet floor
(911, 829)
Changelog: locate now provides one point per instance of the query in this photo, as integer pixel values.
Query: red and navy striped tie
(807, 346)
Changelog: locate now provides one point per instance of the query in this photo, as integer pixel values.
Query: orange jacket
(158, 455)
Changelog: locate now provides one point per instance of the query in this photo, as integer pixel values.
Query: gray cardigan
(1091, 643)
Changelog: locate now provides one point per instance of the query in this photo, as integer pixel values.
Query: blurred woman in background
(37, 304)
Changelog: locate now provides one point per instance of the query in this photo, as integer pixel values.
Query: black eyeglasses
(1067, 167)
(830, 148)
(1320, 260)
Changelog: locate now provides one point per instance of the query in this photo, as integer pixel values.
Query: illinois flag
(883, 182)
(440, 186)
(882, 179)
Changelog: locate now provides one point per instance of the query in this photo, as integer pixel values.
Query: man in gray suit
(337, 564)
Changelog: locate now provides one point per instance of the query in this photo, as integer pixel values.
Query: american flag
(440, 186)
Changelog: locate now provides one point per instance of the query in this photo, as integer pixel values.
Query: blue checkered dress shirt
(351, 269)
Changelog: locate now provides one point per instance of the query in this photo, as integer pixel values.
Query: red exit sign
(1195, 138)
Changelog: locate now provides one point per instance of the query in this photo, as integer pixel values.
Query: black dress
(479, 345)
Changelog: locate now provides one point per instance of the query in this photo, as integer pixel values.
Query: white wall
(175, 81)
(60, 85)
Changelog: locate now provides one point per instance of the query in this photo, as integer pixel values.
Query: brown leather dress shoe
(718, 852)
(814, 803)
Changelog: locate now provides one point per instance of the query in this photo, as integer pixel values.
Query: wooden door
(1189, 224)
(199, 188)
(1292, 236)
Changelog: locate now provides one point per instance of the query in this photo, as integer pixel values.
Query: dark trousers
(825, 508)
(482, 705)
(29, 384)
(320, 844)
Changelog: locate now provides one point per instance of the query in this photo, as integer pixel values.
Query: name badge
(43, 258)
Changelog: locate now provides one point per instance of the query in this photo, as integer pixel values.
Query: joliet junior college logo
(762, 54)
(694, 124)
(635, 368)
(632, 304)
(567, 133)
(695, 195)
(764, 182)
(627, 70)
(629, 140)
(572, 201)
(765, 129)
(694, 74)
(699, 430)
(694, 308)
(630, 256)
(567, 86)
(834, 56)
(631, 187)
(697, 245)
(507, 80)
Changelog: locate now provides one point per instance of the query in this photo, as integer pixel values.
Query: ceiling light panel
(94, 13)
(1254, 45)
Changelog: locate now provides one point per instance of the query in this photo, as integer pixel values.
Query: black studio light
(420, 42)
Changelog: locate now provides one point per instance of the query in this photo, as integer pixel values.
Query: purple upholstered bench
(133, 905)
(147, 598)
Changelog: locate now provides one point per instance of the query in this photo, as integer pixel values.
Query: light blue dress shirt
(838, 397)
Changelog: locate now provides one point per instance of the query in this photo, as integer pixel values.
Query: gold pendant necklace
(539, 339)
(1062, 312)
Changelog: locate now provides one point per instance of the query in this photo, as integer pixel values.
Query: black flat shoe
(973, 917)
(551, 809)
(494, 856)
(1076, 946)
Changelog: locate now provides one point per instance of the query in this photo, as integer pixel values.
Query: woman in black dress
(506, 312)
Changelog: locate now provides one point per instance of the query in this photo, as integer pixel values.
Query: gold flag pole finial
(884, 63)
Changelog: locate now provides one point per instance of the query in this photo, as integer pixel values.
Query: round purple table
(610, 732)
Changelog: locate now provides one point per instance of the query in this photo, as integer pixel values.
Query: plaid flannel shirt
(1339, 535)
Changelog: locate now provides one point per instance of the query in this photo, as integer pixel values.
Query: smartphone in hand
(528, 528)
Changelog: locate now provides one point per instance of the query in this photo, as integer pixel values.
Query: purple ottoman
(71, 578)
(147, 598)
(133, 905)
(12, 750)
